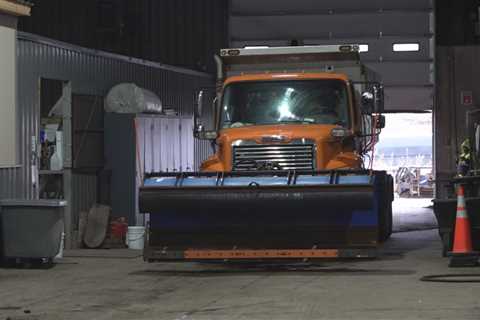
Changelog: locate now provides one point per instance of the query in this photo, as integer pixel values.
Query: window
(363, 48)
(406, 47)
(256, 47)
(285, 102)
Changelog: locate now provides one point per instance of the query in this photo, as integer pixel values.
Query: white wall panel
(187, 143)
(166, 144)
(8, 120)
(157, 153)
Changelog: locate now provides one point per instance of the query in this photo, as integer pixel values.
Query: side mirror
(379, 122)
(372, 101)
(199, 131)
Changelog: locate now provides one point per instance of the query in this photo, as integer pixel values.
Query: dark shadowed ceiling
(179, 32)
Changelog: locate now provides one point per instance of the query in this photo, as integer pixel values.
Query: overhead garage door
(379, 24)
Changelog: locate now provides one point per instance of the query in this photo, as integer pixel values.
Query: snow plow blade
(262, 215)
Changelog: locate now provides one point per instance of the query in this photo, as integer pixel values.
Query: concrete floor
(119, 285)
(413, 214)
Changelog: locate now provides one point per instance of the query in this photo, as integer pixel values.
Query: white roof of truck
(294, 50)
(343, 59)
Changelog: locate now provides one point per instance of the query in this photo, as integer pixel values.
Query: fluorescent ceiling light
(405, 47)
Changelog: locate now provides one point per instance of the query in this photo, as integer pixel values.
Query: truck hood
(328, 149)
(272, 134)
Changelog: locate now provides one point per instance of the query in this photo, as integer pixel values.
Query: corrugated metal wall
(84, 189)
(93, 73)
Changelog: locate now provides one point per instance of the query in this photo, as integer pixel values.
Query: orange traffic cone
(462, 254)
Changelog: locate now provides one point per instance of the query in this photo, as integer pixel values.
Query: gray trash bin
(31, 229)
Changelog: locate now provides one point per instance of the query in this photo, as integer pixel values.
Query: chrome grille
(274, 157)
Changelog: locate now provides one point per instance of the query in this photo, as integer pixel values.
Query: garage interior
(117, 200)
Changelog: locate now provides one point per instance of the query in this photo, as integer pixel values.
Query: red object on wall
(467, 98)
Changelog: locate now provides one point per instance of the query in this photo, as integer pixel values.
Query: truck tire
(386, 215)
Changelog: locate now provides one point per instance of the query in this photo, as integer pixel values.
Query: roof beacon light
(233, 52)
(346, 48)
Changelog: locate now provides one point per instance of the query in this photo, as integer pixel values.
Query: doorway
(405, 151)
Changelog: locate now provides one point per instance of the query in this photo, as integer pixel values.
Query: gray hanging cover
(129, 98)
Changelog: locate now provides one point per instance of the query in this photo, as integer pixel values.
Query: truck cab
(294, 108)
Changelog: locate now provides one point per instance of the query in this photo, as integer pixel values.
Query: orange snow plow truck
(293, 130)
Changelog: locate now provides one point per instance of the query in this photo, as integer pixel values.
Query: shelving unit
(82, 127)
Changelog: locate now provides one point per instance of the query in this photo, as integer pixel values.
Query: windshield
(278, 102)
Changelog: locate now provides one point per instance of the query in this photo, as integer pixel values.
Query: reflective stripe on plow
(256, 254)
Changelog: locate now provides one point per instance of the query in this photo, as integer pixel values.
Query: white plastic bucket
(136, 238)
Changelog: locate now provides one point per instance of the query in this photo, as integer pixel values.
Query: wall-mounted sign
(467, 98)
